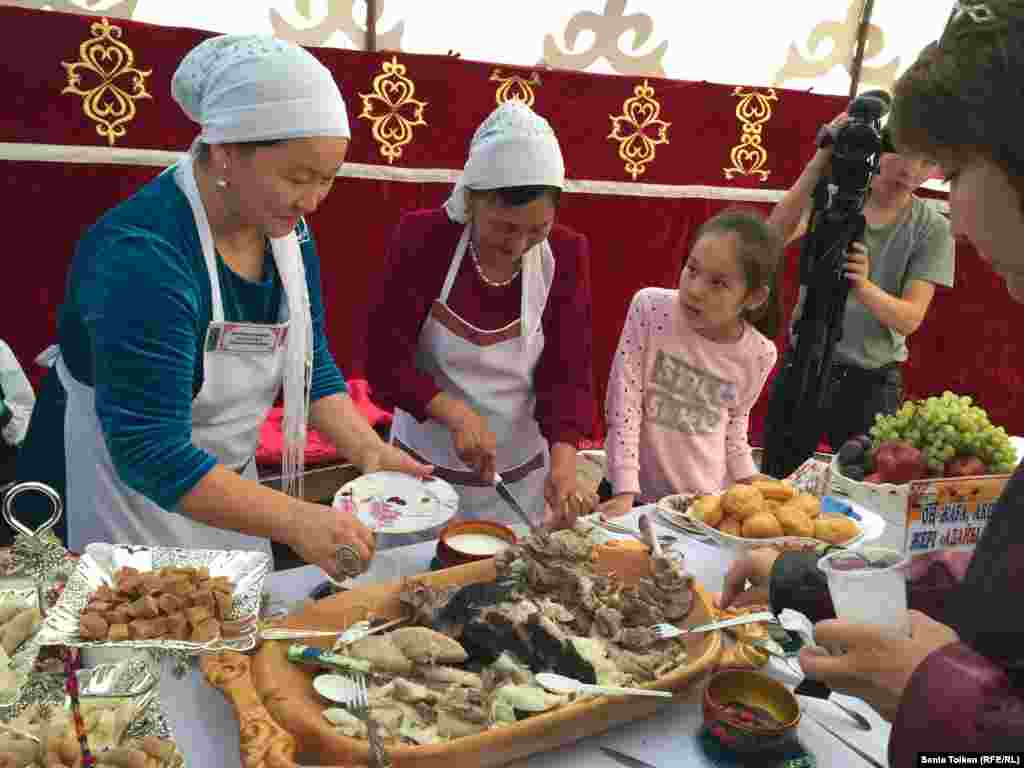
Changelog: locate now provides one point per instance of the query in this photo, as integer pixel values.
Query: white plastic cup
(869, 586)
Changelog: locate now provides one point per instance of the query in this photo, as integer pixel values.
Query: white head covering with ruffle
(258, 88)
(513, 147)
(242, 88)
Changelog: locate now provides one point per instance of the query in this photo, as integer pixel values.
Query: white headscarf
(258, 88)
(243, 88)
(513, 147)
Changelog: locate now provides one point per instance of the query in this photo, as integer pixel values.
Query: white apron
(492, 371)
(238, 390)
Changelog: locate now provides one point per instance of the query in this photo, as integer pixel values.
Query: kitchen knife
(508, 498)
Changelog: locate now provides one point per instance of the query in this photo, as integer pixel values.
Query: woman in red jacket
(481, 340)
(957, 683)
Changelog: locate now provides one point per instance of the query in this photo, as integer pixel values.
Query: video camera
(857, 149)
(794, 421)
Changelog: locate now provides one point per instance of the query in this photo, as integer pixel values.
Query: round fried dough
(835, 530)
(742, 501)
(793, 521)
(808, 503)
(763, 525)
(777, 490)
(731, 526)
(708, 509)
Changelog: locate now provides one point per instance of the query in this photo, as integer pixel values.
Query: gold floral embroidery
(514, 87)
(749, 156)
(392, 94)
(639, 130)
(110, 64)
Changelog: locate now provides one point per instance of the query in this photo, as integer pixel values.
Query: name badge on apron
(245, 338)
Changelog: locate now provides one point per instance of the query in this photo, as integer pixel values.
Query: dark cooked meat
(638, 612)
(552, 651)
(675, 603)
(486, 637)
(542, 578)
(608, 622)
(422, 601)
(469, 601)
(637, 638)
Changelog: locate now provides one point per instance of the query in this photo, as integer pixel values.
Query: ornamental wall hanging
(106, 78)
(392, 109)
(639, 130)
(749, 156)
(515, 87)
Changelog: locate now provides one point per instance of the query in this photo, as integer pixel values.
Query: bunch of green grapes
(945, 427)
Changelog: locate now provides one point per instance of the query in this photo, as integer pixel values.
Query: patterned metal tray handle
(57, 509)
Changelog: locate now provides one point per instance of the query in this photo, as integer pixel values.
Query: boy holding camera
(906, 251)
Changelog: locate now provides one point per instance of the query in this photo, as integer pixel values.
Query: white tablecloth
(207, 731)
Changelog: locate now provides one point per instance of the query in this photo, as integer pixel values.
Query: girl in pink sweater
(690, 365)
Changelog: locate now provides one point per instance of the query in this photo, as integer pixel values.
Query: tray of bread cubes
(761, 513)
(187, 600)
(455, 683)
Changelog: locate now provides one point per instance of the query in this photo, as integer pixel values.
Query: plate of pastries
(761, 513)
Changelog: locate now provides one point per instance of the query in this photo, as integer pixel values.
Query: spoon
(562, 684)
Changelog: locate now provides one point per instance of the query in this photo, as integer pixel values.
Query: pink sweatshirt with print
(678, 405)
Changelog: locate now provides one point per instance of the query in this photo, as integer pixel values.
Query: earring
(221, 182)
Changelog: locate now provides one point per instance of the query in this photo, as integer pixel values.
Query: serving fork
(669, 631)
(357, 701)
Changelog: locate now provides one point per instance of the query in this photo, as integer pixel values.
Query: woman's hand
(876, 664)
(317, 531)
(617, 506)
(755, 568)
(475, 443)
(564, 504)
(384, 456)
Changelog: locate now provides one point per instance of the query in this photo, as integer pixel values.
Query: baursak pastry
(794, 521)
(731, 526)
(742, 501)
(835, 530)
(776, 490)
(709, 510)
(763, 525)
(809, 504)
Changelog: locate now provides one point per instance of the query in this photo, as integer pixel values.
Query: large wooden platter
(286, 689)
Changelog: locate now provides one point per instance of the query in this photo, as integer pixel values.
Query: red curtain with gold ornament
(86, 118)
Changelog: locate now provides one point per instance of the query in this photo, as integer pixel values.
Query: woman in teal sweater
(193, 303)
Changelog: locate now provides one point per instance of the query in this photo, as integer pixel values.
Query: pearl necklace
(485, 278)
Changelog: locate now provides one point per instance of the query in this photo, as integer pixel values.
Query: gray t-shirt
(917, 246)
